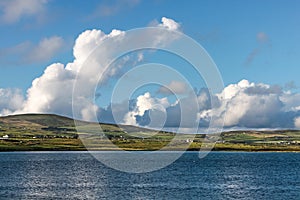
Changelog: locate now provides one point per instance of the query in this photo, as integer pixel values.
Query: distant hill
(34, 123)
(53, 132)
(38, 119)
(52, 120)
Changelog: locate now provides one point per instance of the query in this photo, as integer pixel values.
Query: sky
(254, 44)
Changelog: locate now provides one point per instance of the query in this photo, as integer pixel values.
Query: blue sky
(253, 40)
(226, 29)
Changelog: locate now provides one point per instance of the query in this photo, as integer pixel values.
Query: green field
(38, 132)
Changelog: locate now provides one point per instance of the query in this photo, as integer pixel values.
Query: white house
(5, 136)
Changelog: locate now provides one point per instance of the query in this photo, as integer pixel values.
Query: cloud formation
(297, 122)
(244, 104)
(169, 23)
(14, 10)
(46, 49)
(52, 91)
(10, 100)
(263, 40)
(28, 52)
(147, 103)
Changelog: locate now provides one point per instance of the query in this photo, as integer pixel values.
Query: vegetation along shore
(46, 132)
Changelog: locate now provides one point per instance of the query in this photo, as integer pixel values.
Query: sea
(219, 175)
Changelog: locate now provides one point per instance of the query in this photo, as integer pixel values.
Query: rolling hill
(30, 132)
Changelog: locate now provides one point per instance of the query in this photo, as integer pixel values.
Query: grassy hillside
(53, 132)
(40, 119)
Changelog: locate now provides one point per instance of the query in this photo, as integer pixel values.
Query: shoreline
(137, 150)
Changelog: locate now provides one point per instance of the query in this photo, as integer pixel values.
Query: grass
(36, 132)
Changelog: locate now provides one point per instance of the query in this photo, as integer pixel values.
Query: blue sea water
(220, 175)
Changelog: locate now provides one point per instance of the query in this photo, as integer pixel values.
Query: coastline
(45, 132)
(68, 149)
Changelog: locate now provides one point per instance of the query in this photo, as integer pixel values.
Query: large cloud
(245, 104)
(254, 106)
(52, 91)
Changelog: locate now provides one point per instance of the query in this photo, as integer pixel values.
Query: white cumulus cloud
(169, 23)
(145, 103)
(52, 91)
(253, 105)
(244, 104)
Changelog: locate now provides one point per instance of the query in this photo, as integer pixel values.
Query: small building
(189, 141)
(5, 136)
